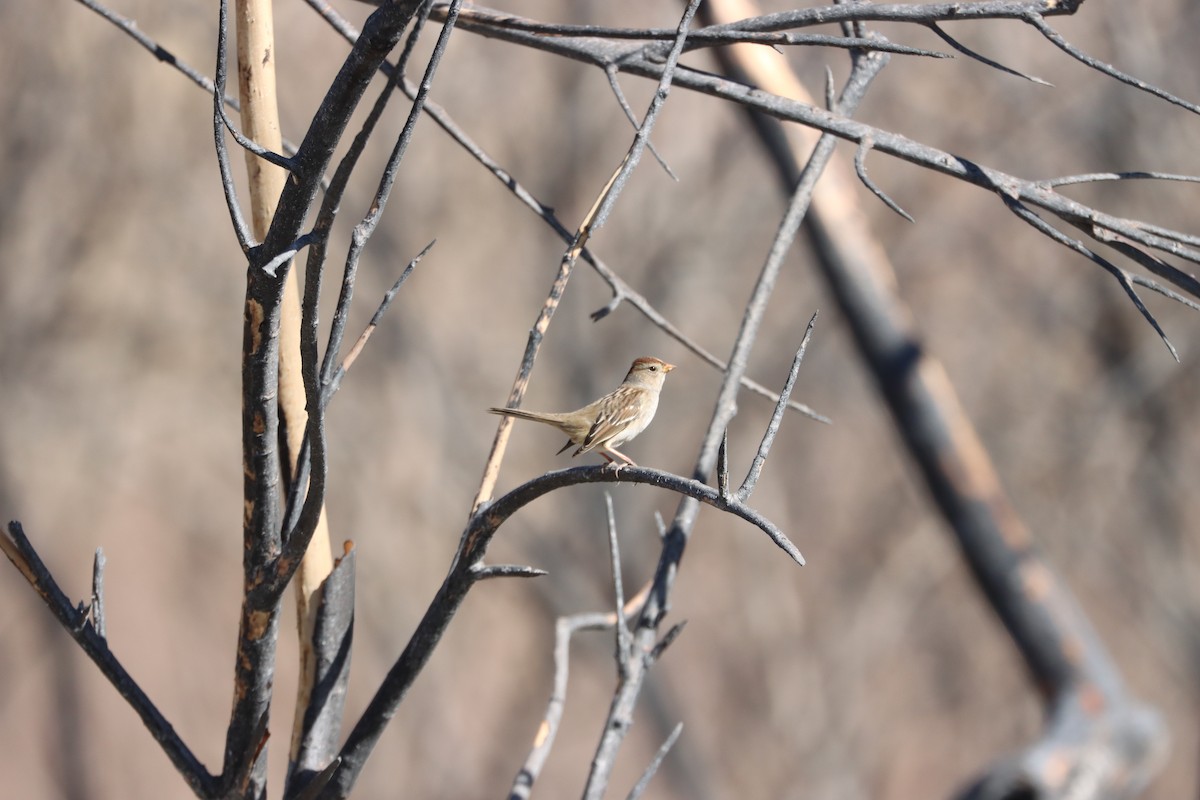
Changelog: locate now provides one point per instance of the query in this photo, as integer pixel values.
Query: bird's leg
(617, 467)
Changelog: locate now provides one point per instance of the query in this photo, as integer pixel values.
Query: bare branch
(1097, 735)
(238, 220)
(319, 734)
(860, 167)
(723, 466)
(1097, 177)
(298, 539)
(624, 651)
(615, 85)
(464, 573)
(1123, 277)
(966, 51)
(508, 571)
(676, 539)
(24, 557)
(332, 383)
(329, 387)
(640, 788)
(548, 729)
(661, 646)
(764, 448)
(592, 221)
(262, 531)
(96, 607)
(1038, 21)
(636, 61)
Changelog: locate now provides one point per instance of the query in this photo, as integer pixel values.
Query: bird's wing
(607, 425)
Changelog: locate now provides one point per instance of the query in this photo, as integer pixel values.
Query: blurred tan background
(874, 672)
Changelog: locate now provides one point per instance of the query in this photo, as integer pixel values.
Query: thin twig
(592, 221)
(624, 652)
(723, 465)
(335, 380)
(966, 51)
(330, 387)
(1097, 177)
(298, 538)
(615, 85)
(1038, 21)
(1123, 277)
(236, 218)
(764, 448)
(96, 607)
(508, 571)
(652, 768)
(860, 167)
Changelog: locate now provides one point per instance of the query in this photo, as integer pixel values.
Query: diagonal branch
(640, 787)
(1097, 735)
(1038, 21)
(90, 638)
(1123, 277)
(966, 51)
(764, 448)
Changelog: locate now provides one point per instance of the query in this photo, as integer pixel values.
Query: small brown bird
(612, 420)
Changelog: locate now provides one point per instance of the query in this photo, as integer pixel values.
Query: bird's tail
(536, 416)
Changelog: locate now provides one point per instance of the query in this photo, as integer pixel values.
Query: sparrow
(611, 421)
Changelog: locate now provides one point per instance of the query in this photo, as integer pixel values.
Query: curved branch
(484, 524)
(467, 570)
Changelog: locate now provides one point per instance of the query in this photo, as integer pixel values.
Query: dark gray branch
(966, 51)
(860, 168)
(1037, 20)
(297, 540)
(85, 632)
(332, 640)
(262, 533)
(237, 219)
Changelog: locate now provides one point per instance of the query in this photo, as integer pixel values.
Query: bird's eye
(653, 368)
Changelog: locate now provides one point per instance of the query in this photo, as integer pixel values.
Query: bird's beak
(668, 367)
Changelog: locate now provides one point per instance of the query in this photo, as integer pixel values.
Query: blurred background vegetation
(874, 672)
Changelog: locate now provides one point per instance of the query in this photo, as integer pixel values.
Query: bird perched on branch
(614, 419)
